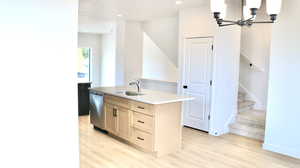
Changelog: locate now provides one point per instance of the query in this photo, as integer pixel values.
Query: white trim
(231, 120)
(180, 68)
(223, 131)
(250, 96)
(212, 130)
(226, 128)
(279, 149)
(255, 66)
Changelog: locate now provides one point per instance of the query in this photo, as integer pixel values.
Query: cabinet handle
(141, 121)
(140, 107)
(140, 138)
(114, 112)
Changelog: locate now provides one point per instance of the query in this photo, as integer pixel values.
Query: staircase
(249, 122)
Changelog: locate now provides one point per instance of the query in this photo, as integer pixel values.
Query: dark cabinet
(83, 98)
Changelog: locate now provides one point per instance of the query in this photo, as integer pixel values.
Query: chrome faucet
(137, 83)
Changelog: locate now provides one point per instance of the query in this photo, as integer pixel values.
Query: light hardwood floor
(200, 150)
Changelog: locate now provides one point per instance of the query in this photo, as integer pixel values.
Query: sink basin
(129, 93)
(132, 93)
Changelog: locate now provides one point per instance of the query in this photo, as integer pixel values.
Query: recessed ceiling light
(119, 15)
(178, 2)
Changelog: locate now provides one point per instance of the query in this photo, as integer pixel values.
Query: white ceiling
(137, 10)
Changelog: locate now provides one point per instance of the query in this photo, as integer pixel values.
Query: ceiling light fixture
(178, 2)
(119, 15)
(218, 8)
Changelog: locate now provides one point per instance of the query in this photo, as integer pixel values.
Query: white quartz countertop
(149, 96)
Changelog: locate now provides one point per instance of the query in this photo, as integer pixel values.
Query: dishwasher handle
(98, 94)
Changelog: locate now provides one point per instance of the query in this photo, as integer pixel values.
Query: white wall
(39, 117)
(255, 46)
(156, 65)
(282, 125)
(199, 22)
(164, 33)
(113, 48)
(255, 40)
(163, 86)
(133, 51)
(91, 25)
(93, 41)
(120, 52)
(143, 58)
(108, 68)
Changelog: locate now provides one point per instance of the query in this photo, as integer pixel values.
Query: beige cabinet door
(111, 118)
(124, 118)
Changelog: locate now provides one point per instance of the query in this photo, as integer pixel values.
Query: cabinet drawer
(143, 122)
(143, 139)
(117, 101)
(142, 107)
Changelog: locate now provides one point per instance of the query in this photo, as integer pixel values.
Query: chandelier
(219, 9)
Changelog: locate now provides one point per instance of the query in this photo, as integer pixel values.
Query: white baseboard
(220, 132)
(279, 149)
(225, 129)
(250, 96)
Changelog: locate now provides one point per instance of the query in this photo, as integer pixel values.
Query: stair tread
(248, 127)
(252, 135)
(245, 103)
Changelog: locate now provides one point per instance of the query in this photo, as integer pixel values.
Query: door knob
(185, 86)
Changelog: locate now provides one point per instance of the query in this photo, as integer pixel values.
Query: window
(83, 69)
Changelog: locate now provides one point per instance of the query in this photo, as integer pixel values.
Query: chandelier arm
(229, 21)
(223, 25)
(264, 22)
(250, 19)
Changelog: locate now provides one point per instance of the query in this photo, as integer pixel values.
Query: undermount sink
(130, 93)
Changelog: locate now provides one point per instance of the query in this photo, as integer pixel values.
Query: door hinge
(210, 82)
(208, 117)
(212, 47)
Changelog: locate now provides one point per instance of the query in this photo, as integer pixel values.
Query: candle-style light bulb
(273, 7)
(253, 4)
(246, 12)
(223, 12)
(216, 6)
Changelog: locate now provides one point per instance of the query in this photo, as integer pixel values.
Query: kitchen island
(149, 120)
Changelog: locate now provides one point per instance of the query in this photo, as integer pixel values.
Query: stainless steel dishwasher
(97, 115)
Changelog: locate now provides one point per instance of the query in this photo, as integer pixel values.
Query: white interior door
(197, 77)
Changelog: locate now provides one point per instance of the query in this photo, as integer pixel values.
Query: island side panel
(168, 131)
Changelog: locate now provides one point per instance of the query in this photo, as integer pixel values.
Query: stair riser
(247, 130)
(241, 100)
(242, 96)
(250, 123)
